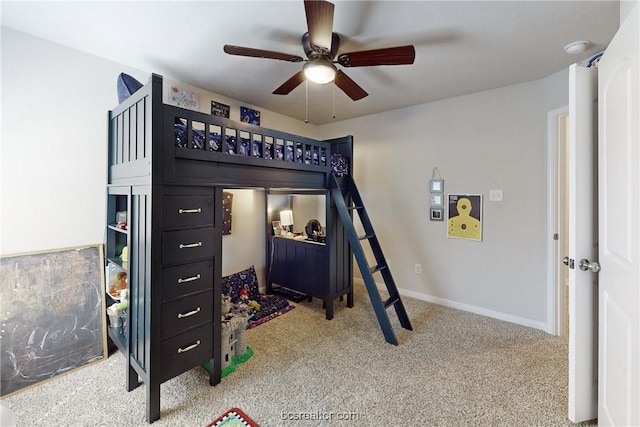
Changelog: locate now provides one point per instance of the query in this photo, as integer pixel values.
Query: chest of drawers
(175, 247)
(189, 243)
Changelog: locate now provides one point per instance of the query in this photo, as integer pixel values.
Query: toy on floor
(234, 349)
(244, 299)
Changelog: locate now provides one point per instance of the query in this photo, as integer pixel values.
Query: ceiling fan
(321, 47)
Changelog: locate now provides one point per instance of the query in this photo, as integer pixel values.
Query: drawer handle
(190, 245)
(191, 313)
(189, 347)
(189, 279)
(189, 210)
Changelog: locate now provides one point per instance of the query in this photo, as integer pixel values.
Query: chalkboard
(52, 310)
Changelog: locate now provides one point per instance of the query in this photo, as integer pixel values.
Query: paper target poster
(465, 217)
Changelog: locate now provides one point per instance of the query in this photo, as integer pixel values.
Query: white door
(619, 217)
(583, 296)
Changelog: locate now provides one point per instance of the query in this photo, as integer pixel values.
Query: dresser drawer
(187, 245)
(185, 313)
(187, 211)
(186, 279)
(186, 351)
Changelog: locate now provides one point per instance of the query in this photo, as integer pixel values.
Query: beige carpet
(454, 369)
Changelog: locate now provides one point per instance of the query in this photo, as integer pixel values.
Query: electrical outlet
(495, 195)
(418, 269)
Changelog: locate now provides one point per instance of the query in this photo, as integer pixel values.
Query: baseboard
(467, 307)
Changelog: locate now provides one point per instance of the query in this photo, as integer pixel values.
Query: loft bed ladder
(348, 200)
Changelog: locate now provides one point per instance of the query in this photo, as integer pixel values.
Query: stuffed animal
(118, 284)
(254, 305)
(244, 296)
(244, 299)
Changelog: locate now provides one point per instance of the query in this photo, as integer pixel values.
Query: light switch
(495, 195)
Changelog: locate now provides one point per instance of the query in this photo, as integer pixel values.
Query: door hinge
(555, 236)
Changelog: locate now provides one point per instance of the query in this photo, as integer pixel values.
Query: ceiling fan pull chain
(306, 101)
(334, 101)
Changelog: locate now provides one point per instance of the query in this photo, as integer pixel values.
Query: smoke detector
(576, 47)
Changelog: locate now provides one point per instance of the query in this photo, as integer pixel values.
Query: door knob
(585, 265)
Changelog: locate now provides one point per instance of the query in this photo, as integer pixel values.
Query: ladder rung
(366, 236)
(377, 268)
(355, 208)
(391, 301)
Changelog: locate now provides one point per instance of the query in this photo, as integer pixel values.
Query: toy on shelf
(124, 256)
(118, 285)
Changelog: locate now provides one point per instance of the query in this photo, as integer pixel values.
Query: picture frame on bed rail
(277, 228)
(219, 109)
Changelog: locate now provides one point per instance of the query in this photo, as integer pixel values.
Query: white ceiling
(461, 47)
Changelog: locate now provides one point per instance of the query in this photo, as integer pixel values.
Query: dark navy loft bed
(167, 167)
(194, 148)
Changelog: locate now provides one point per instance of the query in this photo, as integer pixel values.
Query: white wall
(54, 145)
(482, 141)
(53, 158)
(306, 207)
(625, 8)
(245, 246)
(53, 176)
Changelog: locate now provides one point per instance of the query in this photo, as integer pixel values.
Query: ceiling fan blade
(290, 84)
(259, 53)
(319, 22)
(349, 87)
(400, 55)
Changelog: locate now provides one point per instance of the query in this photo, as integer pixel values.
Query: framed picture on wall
(249, 115)
(184, 98)
(219, 109)
(465, 216)
(227, 203)
(436, 185)
(437, 200)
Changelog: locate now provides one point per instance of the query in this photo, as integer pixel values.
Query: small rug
(271, 306)
(233, 417)
(253, 323)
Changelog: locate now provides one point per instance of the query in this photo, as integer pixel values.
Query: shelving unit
(117, 238)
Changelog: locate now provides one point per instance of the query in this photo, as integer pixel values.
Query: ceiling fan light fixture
(320, 71)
